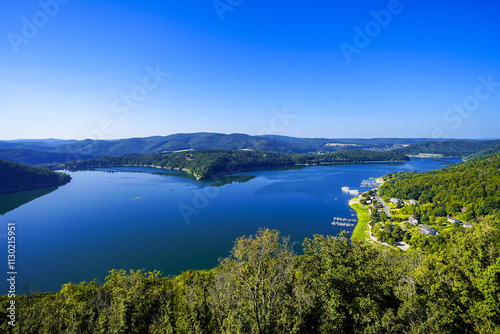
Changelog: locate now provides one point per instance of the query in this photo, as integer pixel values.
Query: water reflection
(12, 201)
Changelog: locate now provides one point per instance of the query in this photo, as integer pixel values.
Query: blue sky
(363, 69)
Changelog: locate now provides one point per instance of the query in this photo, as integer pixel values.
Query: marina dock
(346, 222)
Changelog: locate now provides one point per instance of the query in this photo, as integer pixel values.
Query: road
(399, 244)
(384, 206)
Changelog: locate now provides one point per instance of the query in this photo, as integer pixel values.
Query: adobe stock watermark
(372, 29)
(223, 6)
(123, 105)
(11, 273)
(460, 111)
(203, 197)
(201, 200)
(121, 108)
(278, 123)
(31, 26)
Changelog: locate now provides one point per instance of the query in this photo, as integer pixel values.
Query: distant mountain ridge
(205, 140)
(34, 157)
(456, 148)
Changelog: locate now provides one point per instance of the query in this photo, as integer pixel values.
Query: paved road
(384, 206)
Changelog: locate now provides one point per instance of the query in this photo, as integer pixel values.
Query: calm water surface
(138, 218)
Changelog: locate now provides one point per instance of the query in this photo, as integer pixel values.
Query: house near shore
(453, 220)
(413, 221)
(395, 200)
(427, 230)
(468, 225)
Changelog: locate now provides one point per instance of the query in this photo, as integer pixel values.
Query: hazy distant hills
(28, 151)
(205, 140)
(33, 157)
(456, 148)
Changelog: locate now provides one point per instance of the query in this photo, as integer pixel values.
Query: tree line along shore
(331, 285)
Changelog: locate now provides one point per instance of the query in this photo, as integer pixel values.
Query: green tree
(260, 273)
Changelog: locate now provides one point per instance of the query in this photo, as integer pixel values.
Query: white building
(413, 221)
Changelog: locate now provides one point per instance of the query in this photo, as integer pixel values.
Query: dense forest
(207, 141)
(17, 177)
(263, 287)
(333, 286)
(489, 151)
(33, 157)
(452, 148)
(213, 163)
(473, 185)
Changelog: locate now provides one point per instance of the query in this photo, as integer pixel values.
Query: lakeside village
(351, 222)
(396, 222)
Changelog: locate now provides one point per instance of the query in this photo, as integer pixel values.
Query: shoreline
(24, 188)
(241, 170)
(359, 230)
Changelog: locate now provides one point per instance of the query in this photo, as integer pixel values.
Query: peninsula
(214, 163)
(19, 177)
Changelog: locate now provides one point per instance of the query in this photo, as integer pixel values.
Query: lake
(146, 218)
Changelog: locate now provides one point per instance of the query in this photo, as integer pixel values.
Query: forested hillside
(489, 151)
(207, 141)
(211, 163)
(263, 287)
(452, 148)
(474, 185)
(17, 177)
(33, 157)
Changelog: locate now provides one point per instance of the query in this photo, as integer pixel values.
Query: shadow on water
(228, 179)
(214, 182)
(11, 201)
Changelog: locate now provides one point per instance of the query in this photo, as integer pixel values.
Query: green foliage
(456, 290)
(203, 141)
(263, 287)
(353, 286)
(489, 151)
(452, 148)
(16, 177)
(213, 163)
(32, 157)
(336, 286)
(473, 184)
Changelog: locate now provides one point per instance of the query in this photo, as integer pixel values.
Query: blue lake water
(139, 218)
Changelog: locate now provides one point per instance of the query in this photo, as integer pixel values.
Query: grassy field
(361, 230)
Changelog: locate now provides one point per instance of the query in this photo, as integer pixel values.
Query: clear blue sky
(78, 69)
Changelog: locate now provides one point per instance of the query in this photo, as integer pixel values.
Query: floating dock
(346, 222)
(350, 191)
(371, 183)
(334, 223)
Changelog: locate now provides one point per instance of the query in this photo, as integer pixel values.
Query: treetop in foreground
(263, 287)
